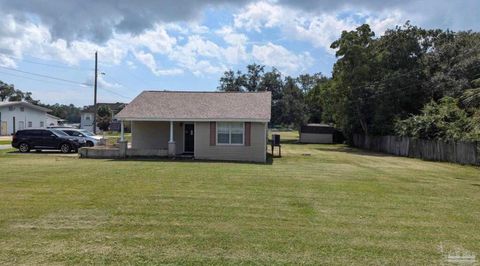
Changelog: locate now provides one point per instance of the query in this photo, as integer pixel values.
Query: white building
(87, 114)
(53, 121)
(20, 115)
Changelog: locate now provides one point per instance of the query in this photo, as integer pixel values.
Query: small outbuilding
(317, 133)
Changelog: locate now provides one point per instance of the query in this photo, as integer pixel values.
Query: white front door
(21, 125)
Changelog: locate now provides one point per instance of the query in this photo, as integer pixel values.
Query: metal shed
(317, 133)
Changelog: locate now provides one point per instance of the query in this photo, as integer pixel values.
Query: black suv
(44, 139)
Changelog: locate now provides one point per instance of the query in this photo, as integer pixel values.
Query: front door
(189, 132)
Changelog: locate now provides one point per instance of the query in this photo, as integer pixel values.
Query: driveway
(4, 147)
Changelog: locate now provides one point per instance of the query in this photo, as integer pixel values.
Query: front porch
(149, 139)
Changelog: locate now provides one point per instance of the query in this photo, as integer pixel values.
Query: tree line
(410, 82)
(294, 99)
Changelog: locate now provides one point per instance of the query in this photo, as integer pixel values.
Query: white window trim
(230, 136)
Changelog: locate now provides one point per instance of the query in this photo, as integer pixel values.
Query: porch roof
(198, 106)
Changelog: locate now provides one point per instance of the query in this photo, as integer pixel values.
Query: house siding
(155, 135)
(256, 152)
(28, 115)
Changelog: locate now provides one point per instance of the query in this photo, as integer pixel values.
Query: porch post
(171, 142)
(122, 135)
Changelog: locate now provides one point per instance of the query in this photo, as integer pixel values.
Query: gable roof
(55, 117)
(198, 106)
(25, 104)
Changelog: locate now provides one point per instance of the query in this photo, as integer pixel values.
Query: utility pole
(95, 95)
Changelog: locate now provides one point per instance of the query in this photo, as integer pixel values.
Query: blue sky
(48, 47)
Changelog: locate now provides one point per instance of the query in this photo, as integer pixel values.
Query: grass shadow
(46, 152)
(351, 150)
(269, 160)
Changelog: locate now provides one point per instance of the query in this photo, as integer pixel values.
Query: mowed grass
(318, 204)
(5, 142)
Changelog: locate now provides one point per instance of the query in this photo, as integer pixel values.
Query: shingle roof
(198, 106)
(25, 104)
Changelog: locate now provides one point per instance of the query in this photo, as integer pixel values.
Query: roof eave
(152, 119)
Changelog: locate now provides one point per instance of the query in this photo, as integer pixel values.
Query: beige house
(205, 125)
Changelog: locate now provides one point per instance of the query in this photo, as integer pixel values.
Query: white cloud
(156, 40)
(231, 37)
(258, 15)
(281, 58)
(319, 29)
(149, 60)
(6, 61)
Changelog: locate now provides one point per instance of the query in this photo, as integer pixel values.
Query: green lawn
(5, 142)
(319, 204)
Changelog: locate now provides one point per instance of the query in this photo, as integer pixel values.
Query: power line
(113, 92)
(44, 76)
(47, 64)
(46, 81)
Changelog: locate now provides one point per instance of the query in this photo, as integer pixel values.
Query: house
(53, 121)
(86, 115)
(205, 125)
(20, 115)
(317, 133)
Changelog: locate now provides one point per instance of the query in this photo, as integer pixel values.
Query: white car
(90, 138)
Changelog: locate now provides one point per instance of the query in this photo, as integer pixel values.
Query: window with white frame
(87, 117)
(30, 124)
(22, 109)
(41, 123)
(230, 133)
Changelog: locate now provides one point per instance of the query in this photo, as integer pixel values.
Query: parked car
(90, 138)
(45, 139)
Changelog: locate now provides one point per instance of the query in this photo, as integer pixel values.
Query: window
(11, 108)
(87, 117)
(29, 123)
(22, 109)
(41, 123)
(73, 133)
(230, 133)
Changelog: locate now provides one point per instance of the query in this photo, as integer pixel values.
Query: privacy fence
(433, 150)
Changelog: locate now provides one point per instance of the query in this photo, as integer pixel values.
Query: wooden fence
(433, 150)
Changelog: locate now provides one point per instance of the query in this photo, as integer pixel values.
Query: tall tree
(272, 81)
(232, 82)
(352, 73)
(6, 90)
(254, 76)
(104, 117)
(294, 110)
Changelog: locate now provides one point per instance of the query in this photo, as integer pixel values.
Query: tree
(311, 88)
(16, 96)
(352, 73)
(444, 120)
(104, 117)
(292, 104)
(232, 82)
(272, 81)
(6, 90)
(253, 78)
(308, 82)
